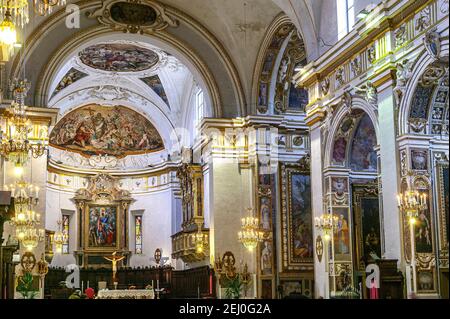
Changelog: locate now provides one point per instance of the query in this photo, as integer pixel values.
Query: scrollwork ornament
(133, 16)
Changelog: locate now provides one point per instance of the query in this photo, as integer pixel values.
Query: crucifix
(114, 260)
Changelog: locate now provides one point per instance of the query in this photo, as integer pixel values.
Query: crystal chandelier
(17, 10)
(250, 234)
(59, 238)
(15, 145)
(32, 238)
(45, 7)
(326, 223)
(26, 197)
(8, 35)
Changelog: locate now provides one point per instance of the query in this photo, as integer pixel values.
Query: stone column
(390, 170)
(320, 275)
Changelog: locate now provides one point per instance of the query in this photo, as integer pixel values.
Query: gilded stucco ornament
(369, 92)
(403, 74)
(133, 16)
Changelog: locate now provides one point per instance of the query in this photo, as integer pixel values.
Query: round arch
(342, 113)
(423, 61)
(204, 55)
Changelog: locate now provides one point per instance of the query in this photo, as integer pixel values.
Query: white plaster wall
(56, 202)
(157, 228)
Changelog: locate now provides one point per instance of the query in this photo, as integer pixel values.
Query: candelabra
(250, 235)
(411, 203)
(15, 145)
(59, 238)
(45, 7)
(327, 223)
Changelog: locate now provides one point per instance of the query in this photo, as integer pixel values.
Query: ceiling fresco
(102, 130)
(118, 57)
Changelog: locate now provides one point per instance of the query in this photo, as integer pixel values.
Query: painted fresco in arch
(72, 76)
(363, 156)
(301, 217)
(118, 57)
(154, 82)
(100, 130)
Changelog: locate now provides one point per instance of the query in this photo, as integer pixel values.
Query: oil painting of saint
(342, 233)
(99, 130)
(301, 219)
(102, 226)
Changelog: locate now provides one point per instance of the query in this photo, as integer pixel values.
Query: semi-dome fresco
(104, 130)
(118, 57)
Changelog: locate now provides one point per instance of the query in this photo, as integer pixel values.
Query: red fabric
(373, 291)
(90, 293)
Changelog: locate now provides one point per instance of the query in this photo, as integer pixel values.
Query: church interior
(210, 149)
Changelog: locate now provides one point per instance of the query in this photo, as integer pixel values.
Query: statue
(114, 260)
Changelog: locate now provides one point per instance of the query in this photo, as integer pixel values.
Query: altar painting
(102, 226)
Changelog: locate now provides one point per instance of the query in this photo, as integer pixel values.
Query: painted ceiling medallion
(133, 16)
(118, 57)
(94, 130)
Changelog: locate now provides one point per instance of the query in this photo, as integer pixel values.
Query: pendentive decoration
(133, 16)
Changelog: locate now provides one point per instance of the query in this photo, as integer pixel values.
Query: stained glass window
(65, 230)
(138, 234)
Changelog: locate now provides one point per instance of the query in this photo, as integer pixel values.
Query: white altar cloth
(126, 294)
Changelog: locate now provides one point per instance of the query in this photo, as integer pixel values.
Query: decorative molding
(137, 16)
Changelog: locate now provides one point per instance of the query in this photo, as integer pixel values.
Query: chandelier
(411, 203)
(59, 238)
(17, 10)
(250, 235)
(26, 197)
(32, 238)
(8, 35)
(326, 223)
(15, 145)
(45, 7)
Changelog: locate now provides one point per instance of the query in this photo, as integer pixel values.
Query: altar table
(126, 294)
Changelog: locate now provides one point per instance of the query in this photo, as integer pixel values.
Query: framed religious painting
(443, 189)
(341, 248)
(367, 224)
(296, 218)
(102, 226)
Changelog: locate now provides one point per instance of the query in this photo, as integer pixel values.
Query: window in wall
(346, 16)
(138, 234)
(199, 107)
(65, 229)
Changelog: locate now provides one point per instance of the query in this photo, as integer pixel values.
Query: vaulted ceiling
(226, 36)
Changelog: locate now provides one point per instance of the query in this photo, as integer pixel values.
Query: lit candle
(82, 286)
(157, 284)
(88, 284)
(210, 284)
